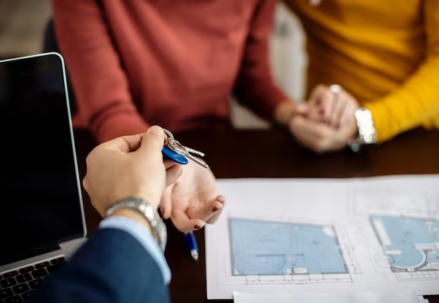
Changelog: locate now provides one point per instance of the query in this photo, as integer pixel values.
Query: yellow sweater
(384, 52)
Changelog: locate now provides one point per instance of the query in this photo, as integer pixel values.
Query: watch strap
(366, 129)
(145, 208)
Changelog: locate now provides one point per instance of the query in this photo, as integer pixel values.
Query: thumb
(301, 108)
(153, 140)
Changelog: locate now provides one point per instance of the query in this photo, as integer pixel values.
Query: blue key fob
(177, 158)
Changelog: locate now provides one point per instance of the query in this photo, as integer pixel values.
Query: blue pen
(192, 245)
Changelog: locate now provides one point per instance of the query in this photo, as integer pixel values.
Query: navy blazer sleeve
(112, 267)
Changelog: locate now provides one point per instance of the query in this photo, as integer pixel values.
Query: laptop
(41, 213)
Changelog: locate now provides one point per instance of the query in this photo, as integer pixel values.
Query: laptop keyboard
(17, 285)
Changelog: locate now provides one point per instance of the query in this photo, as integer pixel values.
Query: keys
(35, 284)
(14, 299)
(24, 278)
(10, 274)
(8, 282)
(58, 260)
(4, 293)
(26, 295)
(177, 150)
(42, 265)
(39, 273)
(174, 156)
(20, 288)
(55, 267)
(26, 269)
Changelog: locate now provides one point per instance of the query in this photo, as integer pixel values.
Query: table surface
(273, 154)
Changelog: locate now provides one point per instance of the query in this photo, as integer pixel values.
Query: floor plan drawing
(277, 248)
(301, 236)
(411, 245)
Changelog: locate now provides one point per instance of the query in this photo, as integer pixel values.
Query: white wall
(22, 24)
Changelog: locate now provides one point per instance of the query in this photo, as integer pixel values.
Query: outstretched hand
(193, 200)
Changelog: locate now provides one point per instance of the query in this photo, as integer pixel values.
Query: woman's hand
(193, 199)
(332, 105)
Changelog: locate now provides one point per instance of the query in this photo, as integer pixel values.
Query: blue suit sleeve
(111, 267)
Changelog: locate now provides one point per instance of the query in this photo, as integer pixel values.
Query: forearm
(415, 103)
(265, 99)
(113, 266)
(284, 112)
(255, 86)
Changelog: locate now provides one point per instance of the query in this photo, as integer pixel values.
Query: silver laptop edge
(69, 247)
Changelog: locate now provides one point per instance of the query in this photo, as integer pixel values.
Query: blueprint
(411, 244)
(358, 297)
(272, 248)
(325, 236)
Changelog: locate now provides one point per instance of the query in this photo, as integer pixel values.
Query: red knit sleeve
(255, 86)
(100, 85)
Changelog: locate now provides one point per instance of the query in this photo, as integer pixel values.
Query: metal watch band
(143, 207)
(366, 129)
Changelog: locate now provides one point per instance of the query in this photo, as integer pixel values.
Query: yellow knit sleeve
(417, 100)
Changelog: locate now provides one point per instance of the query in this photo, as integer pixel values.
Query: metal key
(178, 148)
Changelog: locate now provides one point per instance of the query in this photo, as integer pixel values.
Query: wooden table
(273, 154)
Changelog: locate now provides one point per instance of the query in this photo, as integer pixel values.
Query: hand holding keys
(179, 153)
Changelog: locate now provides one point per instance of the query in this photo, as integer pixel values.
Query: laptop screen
(40, 203)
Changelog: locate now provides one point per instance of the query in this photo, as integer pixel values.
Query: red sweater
(173, 63)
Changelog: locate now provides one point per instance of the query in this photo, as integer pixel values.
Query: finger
(301, 109)
(314, 113)
(169, 163)
(340, 106)
(316, 94)
(172, 174)
(208, 210)
(302, 137)
(322, 99)
(185, 224)
(323, 138)
(311, 128)
(166, 203)
(327, 105)
(152, 142)
(312, 134)
(125, 144)
(221, 199)
(348, 115)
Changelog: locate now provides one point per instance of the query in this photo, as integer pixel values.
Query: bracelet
(366, 129)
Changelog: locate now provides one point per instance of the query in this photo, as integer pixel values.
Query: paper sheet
(325, 236)
(359, 297)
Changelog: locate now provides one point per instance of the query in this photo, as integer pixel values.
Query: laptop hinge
(29, 253)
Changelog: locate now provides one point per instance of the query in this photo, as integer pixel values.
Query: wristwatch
(366, 129)
(143, 207)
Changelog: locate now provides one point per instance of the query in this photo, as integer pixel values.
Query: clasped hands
(327, 121)
(133, 166)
